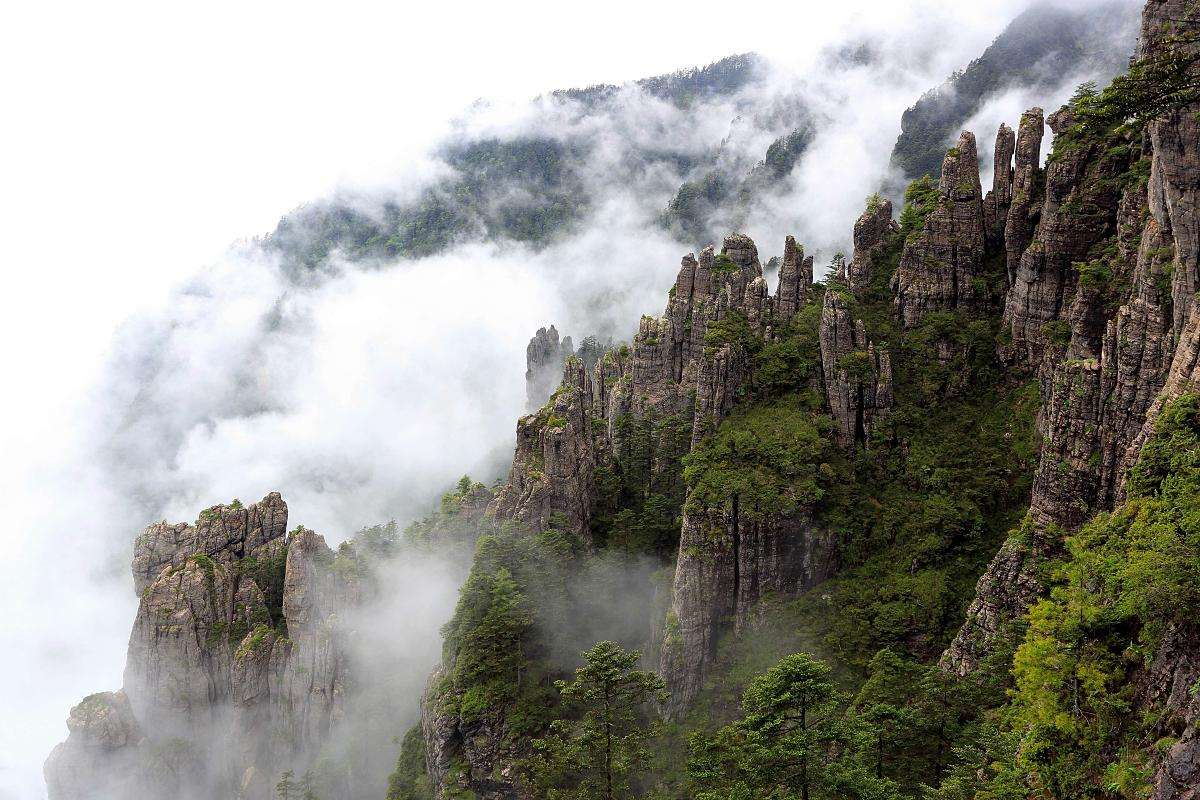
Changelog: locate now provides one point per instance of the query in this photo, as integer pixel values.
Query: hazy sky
(140, 139)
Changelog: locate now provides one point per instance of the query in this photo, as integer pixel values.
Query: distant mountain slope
(1038, 49)
(692, 149)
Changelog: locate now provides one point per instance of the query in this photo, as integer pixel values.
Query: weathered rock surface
(1102, 306)
(858, 377)
(1025, 203)
(941, 268)
(551, 480)
(220, 685)
(223, 533)
(544, 359)
(870, 231)
(1165, 692)
(795, 280)
(729, 559)
(997, 201)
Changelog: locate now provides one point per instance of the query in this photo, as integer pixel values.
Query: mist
(363, 393)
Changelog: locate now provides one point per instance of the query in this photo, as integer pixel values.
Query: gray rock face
(1025, 203)
(544, 359)
(870, 230)
(223, 533)
(1165, 689)
(1111, 352)
(729, 559)
(858, 377)
(941, 268)
(217, 699)
(795, 280)
(551, 483)
(999, 198)
(678, 379)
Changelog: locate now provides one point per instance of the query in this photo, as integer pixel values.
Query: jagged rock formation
(941, 268)
(1027, 185)
(235, 669)
(795, 279)
(551, 481)
(858, 378)
(1102, 307)
(998, 199)
(870, 230)
(1166, 688)
(729, 559)
(669, 389)
(544, 358)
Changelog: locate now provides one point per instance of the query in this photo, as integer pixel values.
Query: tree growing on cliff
(597, 752)
(792, 743)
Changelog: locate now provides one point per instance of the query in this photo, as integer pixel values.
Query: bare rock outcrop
(997, 201)
(235, 669)
(870, 231)
(1102, 307)
(1025, 203)
(857, 375)
(729, 558)
(795, 280)
(544, 358)
(551, 480)
(941, 268)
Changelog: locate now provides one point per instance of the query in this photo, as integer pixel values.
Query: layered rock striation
(236, 669)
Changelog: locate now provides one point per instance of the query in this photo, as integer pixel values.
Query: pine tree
(597, 752)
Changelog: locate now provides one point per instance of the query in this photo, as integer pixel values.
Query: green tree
(287, 787)
(792, 742)
(598, 751)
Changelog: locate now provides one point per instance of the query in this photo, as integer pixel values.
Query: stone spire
(795, 280)
(1019, 224)
(941, 264)
(870, 231)
(996, 204)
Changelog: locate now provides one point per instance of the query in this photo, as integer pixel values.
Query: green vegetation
(1127, 578)
(769, 456)
(1034, 51)
(523, 189)
(920, 199)
(410, 781)
(599, 749)
(792, 741)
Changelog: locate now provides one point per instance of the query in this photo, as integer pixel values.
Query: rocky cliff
(1099, 306)
(235, 670)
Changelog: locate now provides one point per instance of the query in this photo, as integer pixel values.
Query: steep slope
(873, 436)
(1036, 50)
(236, 669)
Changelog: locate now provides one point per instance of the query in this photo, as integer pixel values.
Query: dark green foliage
(640, 493)
(771, 456)
(479, 200)
(455, 523)
(685, 86)
(1034, 51)
(1127, 577)
(718, 199)
(920, 198)
(1163, 82)
(789, 361)
(268, 573)
(598, 750)
(485, 638)
(792, 741)
(409, 780)
(529, 606)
